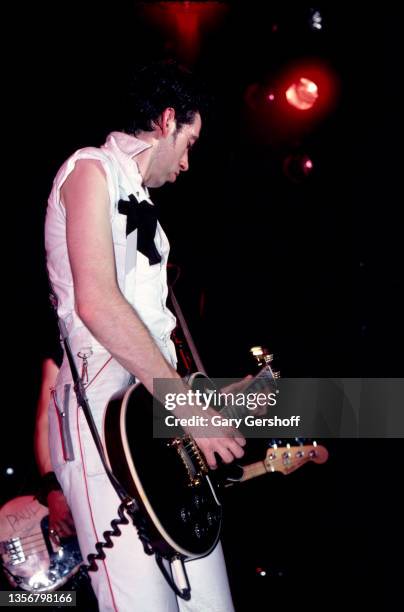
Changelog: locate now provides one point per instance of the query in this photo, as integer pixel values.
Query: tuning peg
(286, 458)
(260, 353)
(257, 351)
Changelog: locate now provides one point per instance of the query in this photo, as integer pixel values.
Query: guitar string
(15, 555)
(30, 553)
(31, 535)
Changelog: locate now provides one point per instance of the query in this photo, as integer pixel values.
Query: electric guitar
(170, 480)
(31, 560)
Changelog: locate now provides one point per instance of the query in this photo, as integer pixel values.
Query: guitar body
(168, 478)
(32, 561)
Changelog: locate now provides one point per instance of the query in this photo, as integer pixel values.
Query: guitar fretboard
(264, 382)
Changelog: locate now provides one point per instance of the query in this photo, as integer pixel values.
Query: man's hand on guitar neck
(238, 387)
(241, 387)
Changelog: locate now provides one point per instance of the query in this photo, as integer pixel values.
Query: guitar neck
(253, 470)
(263, 382)
(261, 467)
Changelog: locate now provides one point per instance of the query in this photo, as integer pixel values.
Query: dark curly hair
(162, 85)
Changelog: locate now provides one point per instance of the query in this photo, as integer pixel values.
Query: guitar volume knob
(185, 515)
(197, 501)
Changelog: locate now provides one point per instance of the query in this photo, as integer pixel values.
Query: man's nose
(184, 162)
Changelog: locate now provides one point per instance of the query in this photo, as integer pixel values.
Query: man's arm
(60, 518)
(41, 443)
(99, 301)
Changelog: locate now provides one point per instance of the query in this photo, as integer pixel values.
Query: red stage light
(297, 167)
(309, 85)
(184, 23)
(302, 94)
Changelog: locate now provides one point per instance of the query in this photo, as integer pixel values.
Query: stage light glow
(9, 471)
(302, 94)
(316, 20)
(297, 167)
(184, 24)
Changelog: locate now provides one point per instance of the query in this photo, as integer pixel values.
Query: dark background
(310, 267)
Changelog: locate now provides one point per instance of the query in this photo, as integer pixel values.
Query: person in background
(60, 518)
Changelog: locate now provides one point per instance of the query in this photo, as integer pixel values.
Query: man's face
(172, 156)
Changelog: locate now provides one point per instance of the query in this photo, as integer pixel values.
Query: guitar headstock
(288, 458)
(262, 357)
(263, 360)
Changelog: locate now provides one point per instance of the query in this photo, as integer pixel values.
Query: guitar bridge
(192, 459)
(14, 551)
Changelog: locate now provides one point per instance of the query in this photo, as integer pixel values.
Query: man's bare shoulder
(86, 169)
(87, 182)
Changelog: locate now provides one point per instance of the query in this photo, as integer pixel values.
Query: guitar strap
(185, 330)
(128, 504)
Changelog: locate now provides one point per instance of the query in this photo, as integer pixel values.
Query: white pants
(128, 580)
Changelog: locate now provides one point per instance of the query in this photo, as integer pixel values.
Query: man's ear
(168, 122)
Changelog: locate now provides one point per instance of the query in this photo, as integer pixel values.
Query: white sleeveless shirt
(144, 286)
